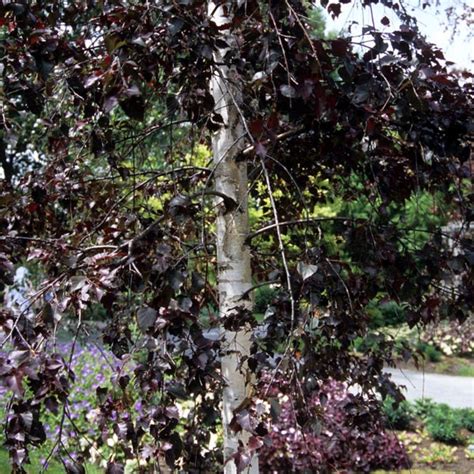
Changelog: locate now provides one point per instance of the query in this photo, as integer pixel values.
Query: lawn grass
(466, 370)
(35, 466)
(455, 366)
(448, 365)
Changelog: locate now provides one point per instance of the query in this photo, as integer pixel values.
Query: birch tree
(233, 254)
(176, 158)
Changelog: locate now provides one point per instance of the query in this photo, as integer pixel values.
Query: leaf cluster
(112, 201)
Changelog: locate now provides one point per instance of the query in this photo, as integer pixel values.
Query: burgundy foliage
(336, 439)
(104, 104)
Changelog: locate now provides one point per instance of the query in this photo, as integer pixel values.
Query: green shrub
(443, 422)
(393, 313)
(445, 425)
(263, 298)
(397, 416)
(424, 407)
(466, 416)
(389, 313)
(370, 342)
(430, 352)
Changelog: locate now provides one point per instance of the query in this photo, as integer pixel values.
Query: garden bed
(434, 435)
(428, 456)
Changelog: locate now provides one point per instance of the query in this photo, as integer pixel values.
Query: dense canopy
(358, 154)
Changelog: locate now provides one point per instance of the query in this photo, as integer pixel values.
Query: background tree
(120, 212)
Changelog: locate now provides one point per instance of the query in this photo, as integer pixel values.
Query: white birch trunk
(233, 256)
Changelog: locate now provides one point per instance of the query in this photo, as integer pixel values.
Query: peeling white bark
(233, 256)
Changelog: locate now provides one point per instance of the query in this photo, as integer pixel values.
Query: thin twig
(278, 138)
(258, 285)
(280, 243)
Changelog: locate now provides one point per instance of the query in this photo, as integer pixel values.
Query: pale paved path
(457, 392)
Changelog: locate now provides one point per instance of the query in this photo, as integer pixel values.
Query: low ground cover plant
(423, 407)
(332, 440)
(467, 418)
(445, 425)
(442, 423)
(437, 453)
(398, 416)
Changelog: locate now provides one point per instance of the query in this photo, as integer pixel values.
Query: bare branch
(280, 243)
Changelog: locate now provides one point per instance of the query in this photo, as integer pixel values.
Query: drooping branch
(279, 138)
